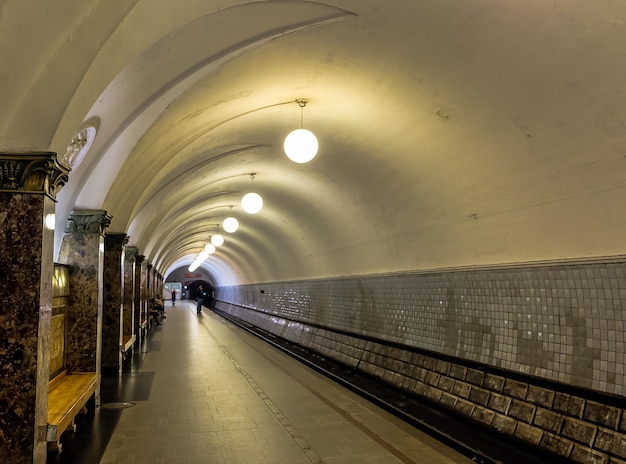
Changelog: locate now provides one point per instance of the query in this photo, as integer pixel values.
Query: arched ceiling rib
(451, 133)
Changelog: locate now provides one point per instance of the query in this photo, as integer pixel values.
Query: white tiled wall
(560, 322)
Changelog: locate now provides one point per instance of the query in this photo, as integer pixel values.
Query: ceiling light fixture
(217, 240)
(230, 225)
(301, 144)
(252, 202)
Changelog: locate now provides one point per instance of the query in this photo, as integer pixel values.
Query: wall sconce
(301, 144)
(50, 221)
(252, 202)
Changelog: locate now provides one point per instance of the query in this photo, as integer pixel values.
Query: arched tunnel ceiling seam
(212, 61)
(445, 140)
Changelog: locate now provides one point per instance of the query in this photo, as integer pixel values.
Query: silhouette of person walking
(200, 299)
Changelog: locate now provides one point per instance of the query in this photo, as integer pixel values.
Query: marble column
(150, 286)
(29, 183)
(112, 305)
(82, 249)
(137, 298)
(128, 301)
(155, 284)
(145, 290)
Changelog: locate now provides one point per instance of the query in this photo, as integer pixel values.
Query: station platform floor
(201, 390)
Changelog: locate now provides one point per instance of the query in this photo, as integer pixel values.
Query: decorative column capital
(35, 172)
(140, 259)
(115, 241)
(88, 222)
(131, 253)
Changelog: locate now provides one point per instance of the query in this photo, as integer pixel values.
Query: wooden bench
(126, 345)
(68, 394)
(127, 342)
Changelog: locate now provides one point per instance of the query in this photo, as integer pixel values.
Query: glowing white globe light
(301, 146)
(230, 225)
(203, 255)
(50, 221)
(209, 248)
(217, 240)
(252, 203)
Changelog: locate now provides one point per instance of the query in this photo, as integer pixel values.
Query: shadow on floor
(118, 390)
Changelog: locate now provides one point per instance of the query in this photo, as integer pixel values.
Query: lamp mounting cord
(302, 103)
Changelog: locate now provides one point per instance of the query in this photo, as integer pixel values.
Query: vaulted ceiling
(452, 133)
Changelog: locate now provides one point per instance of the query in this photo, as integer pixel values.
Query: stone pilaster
(145, 289)
(112, 328)
(28, 186)
(128, 320)
(137, 295)
(155, 283)
(150, 282)
(82, 249)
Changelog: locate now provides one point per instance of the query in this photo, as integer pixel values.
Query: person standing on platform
(173, 296)
(200, 299)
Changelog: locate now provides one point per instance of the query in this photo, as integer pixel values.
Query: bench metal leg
(55, 447)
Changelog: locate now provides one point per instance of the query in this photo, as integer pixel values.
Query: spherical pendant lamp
(209, 248)
(301, 144)
(217, 240)
(252, 203)
(230, 225)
